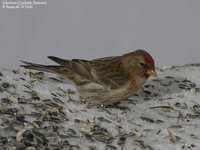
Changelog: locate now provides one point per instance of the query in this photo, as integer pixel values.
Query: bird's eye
(142, 64)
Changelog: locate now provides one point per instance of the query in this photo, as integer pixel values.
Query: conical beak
(152, 73)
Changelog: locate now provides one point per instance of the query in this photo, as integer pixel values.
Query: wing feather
(107, 71)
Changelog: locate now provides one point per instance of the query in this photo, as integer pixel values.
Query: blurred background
(87, 29)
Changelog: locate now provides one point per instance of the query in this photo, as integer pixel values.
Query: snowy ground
(41, 111)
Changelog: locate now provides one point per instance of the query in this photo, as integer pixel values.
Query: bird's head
(140, 62)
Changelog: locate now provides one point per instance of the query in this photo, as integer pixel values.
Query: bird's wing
(105, 71)
(110, 71)
(77, 66)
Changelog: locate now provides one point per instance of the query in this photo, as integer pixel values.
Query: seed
(147, 119)
(56, 80)
(6, 85)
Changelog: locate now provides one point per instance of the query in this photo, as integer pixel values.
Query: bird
(106, 80)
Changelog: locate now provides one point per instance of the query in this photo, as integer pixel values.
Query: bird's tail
(46, 68)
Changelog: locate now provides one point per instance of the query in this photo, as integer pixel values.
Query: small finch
(104, 80)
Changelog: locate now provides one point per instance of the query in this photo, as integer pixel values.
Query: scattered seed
(19, 136)
(57, 124)
(56, 100)
(194, 136)
(179, 105)
(158, 132)
(196, 109)
(159, 121)
(141, 143)
(28, 87)
(149, 85)
(121, 141)
(12, 98)
(34, 95)
(147, 92)
(191, 116)
(120, 129)
(187, 86)
(102, 136)
(37, 75)
(147, 98)
(147, 119)
(102, 119)
(20, 117)
(173, 138)
(169, 77)
(176, 126)
(56, 80)
(165, 107)
(71, 131)
(111, 147)
(136, 95)
(74, 147)
(187, 81)
(70, 91)
(5, 85)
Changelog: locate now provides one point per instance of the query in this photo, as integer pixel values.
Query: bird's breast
(99, 94)
(140, 81)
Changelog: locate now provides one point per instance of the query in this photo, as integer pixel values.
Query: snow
(43, 111)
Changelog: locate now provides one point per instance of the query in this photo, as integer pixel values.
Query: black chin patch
(146, 75)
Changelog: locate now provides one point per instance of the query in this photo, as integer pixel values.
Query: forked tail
(46, 68)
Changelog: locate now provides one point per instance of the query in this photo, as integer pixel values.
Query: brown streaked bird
(104, 80)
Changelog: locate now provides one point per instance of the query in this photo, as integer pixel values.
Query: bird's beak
(152, 73)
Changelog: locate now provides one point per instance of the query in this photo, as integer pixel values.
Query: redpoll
(104, 80)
